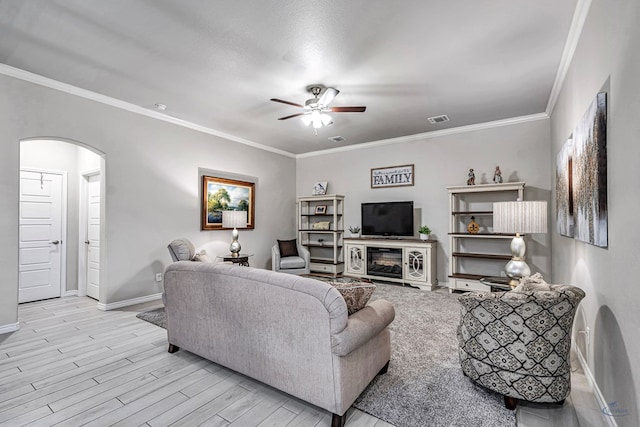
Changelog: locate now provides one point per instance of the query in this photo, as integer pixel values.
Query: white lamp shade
(234, 219)
(524, 217)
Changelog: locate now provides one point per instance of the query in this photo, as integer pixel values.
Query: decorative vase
(424, 236)
(355, 235)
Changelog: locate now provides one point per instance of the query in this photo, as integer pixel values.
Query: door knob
(87, 242)
(54, 242)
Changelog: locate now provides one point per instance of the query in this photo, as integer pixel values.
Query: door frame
(63, 229)
(82, 229)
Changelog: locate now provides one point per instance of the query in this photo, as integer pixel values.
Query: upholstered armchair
(288, 256)
(518, 343)
(183, 250)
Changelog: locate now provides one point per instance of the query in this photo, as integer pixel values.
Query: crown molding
(27, 76)
(575, 31)
(113, 102)
(429, 135)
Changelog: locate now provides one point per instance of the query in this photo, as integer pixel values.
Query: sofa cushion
(292, 262)
(288, 248)
(355, 294)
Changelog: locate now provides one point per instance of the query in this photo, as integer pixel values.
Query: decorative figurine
(471, 178)
(473, 226)
(497, 176)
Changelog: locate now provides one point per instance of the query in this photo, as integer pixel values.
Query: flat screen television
(387, 219)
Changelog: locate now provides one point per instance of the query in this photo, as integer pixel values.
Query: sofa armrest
(304, 253)
(362, 326)
(275, 258)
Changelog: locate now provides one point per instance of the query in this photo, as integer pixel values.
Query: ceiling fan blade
(292, 116)
(348, 109)
(328, 95)
(286, 102)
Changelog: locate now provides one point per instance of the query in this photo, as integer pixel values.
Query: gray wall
(521, 151)
(608, 56)
(152, 187)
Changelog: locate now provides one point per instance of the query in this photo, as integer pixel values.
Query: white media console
(406, 261)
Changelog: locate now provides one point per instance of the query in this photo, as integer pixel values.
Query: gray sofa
(292, 333)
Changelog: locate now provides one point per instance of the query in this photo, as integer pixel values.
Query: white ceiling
(217, 63)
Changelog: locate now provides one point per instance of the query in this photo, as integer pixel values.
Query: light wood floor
(71, 365)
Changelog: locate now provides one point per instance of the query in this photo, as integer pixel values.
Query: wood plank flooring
(73, 365)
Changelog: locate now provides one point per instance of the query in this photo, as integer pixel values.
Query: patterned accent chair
(518, 343)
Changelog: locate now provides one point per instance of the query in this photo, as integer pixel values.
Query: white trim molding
(609, 421)
(71, 293)
(577, 24)
(429, 135)
(27, 76)
(128, 302)
(11, 327)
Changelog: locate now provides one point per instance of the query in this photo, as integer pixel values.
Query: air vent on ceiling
(337, 138)
(438, 119)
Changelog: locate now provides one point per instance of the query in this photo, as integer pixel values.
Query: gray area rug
(424, 385)
(157, 317)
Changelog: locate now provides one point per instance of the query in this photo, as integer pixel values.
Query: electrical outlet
(586, 333)
(158, 277)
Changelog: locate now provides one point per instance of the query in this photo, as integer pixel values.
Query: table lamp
(234, 219)
(519, 217)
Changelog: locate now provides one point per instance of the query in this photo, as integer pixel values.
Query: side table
(241, 259)
(498, 283)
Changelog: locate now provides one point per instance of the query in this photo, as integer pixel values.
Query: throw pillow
(288, 248)
(201, 257)
(356, 295)
(532, 283)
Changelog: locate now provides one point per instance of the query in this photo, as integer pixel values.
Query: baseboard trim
(11, 327)
(602, 402)
(71, 293)
(128, 302)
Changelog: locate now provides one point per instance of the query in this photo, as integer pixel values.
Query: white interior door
(92, 243)
(41, 245)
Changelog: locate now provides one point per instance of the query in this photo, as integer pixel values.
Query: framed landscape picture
(222, 194)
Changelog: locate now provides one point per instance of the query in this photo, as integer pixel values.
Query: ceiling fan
(315, 108)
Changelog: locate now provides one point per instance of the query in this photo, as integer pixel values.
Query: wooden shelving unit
(484, 254)
(325, 246)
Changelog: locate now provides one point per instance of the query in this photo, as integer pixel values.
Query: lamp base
(517, 268)
(235, 247)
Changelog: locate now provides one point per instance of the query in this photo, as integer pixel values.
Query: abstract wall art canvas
(564, 190)
(589, 169)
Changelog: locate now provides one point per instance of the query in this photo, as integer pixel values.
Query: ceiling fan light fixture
(316, 118)
(314, 109)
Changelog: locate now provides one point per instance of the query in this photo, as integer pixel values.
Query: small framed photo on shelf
(320, 188)
(321, 209)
